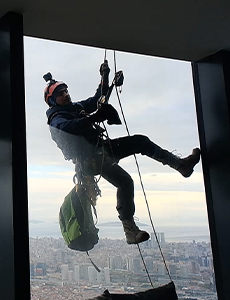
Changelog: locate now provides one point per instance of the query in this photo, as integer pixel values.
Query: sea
(114, 230)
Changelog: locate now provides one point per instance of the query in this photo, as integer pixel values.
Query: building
(40, 269)
(160, 237)
(76, 273)
(107, 276)
(194, 31)
(92, 275)
(149, 263)
(70, 276)
(116, 262)
(100, 277)
(83, 272)
(65, 273)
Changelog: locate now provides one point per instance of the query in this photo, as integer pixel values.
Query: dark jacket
(72, 130)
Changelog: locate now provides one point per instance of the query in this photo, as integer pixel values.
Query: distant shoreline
(113, 230)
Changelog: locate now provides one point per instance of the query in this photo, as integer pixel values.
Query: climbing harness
(89, 184)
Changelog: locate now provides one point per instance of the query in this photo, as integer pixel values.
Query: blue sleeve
(90, 104)
(74, 126)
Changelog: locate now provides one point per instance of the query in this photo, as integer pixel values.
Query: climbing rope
(146, 269)
(142, 185)
(105, 54)
(140, 178)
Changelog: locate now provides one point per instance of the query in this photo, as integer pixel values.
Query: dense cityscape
(60, 273)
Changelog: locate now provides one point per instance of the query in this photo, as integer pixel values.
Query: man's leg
(125, 189)
(125, 201)
(129, 145)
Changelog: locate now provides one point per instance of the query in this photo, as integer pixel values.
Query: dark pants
(120, 148)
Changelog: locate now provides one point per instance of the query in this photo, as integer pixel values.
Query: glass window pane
(158, 101)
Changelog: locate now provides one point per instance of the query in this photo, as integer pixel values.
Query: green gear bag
(76, 220)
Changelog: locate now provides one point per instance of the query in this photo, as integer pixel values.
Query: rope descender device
(118, 79)
(117, 82)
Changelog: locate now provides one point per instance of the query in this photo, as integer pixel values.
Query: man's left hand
(104, 68)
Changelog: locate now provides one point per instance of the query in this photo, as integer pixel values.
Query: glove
(106, 112)
(112, 115)
(100, 115)
(104, 68)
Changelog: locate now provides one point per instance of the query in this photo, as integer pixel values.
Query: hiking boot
(187, 164)
(183, 165)
(133, 234)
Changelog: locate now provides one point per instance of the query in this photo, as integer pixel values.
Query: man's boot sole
(190, 171)
(145, 236)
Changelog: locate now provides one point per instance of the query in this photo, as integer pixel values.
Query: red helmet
(51, 89)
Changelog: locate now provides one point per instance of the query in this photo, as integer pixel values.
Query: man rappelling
(75, 128)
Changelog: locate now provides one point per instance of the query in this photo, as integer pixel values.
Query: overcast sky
(158, 101)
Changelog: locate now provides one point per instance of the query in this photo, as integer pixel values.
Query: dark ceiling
(180, 29)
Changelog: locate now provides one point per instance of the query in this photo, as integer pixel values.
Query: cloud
(168, 202)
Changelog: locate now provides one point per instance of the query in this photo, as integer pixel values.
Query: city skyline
(58, 272)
